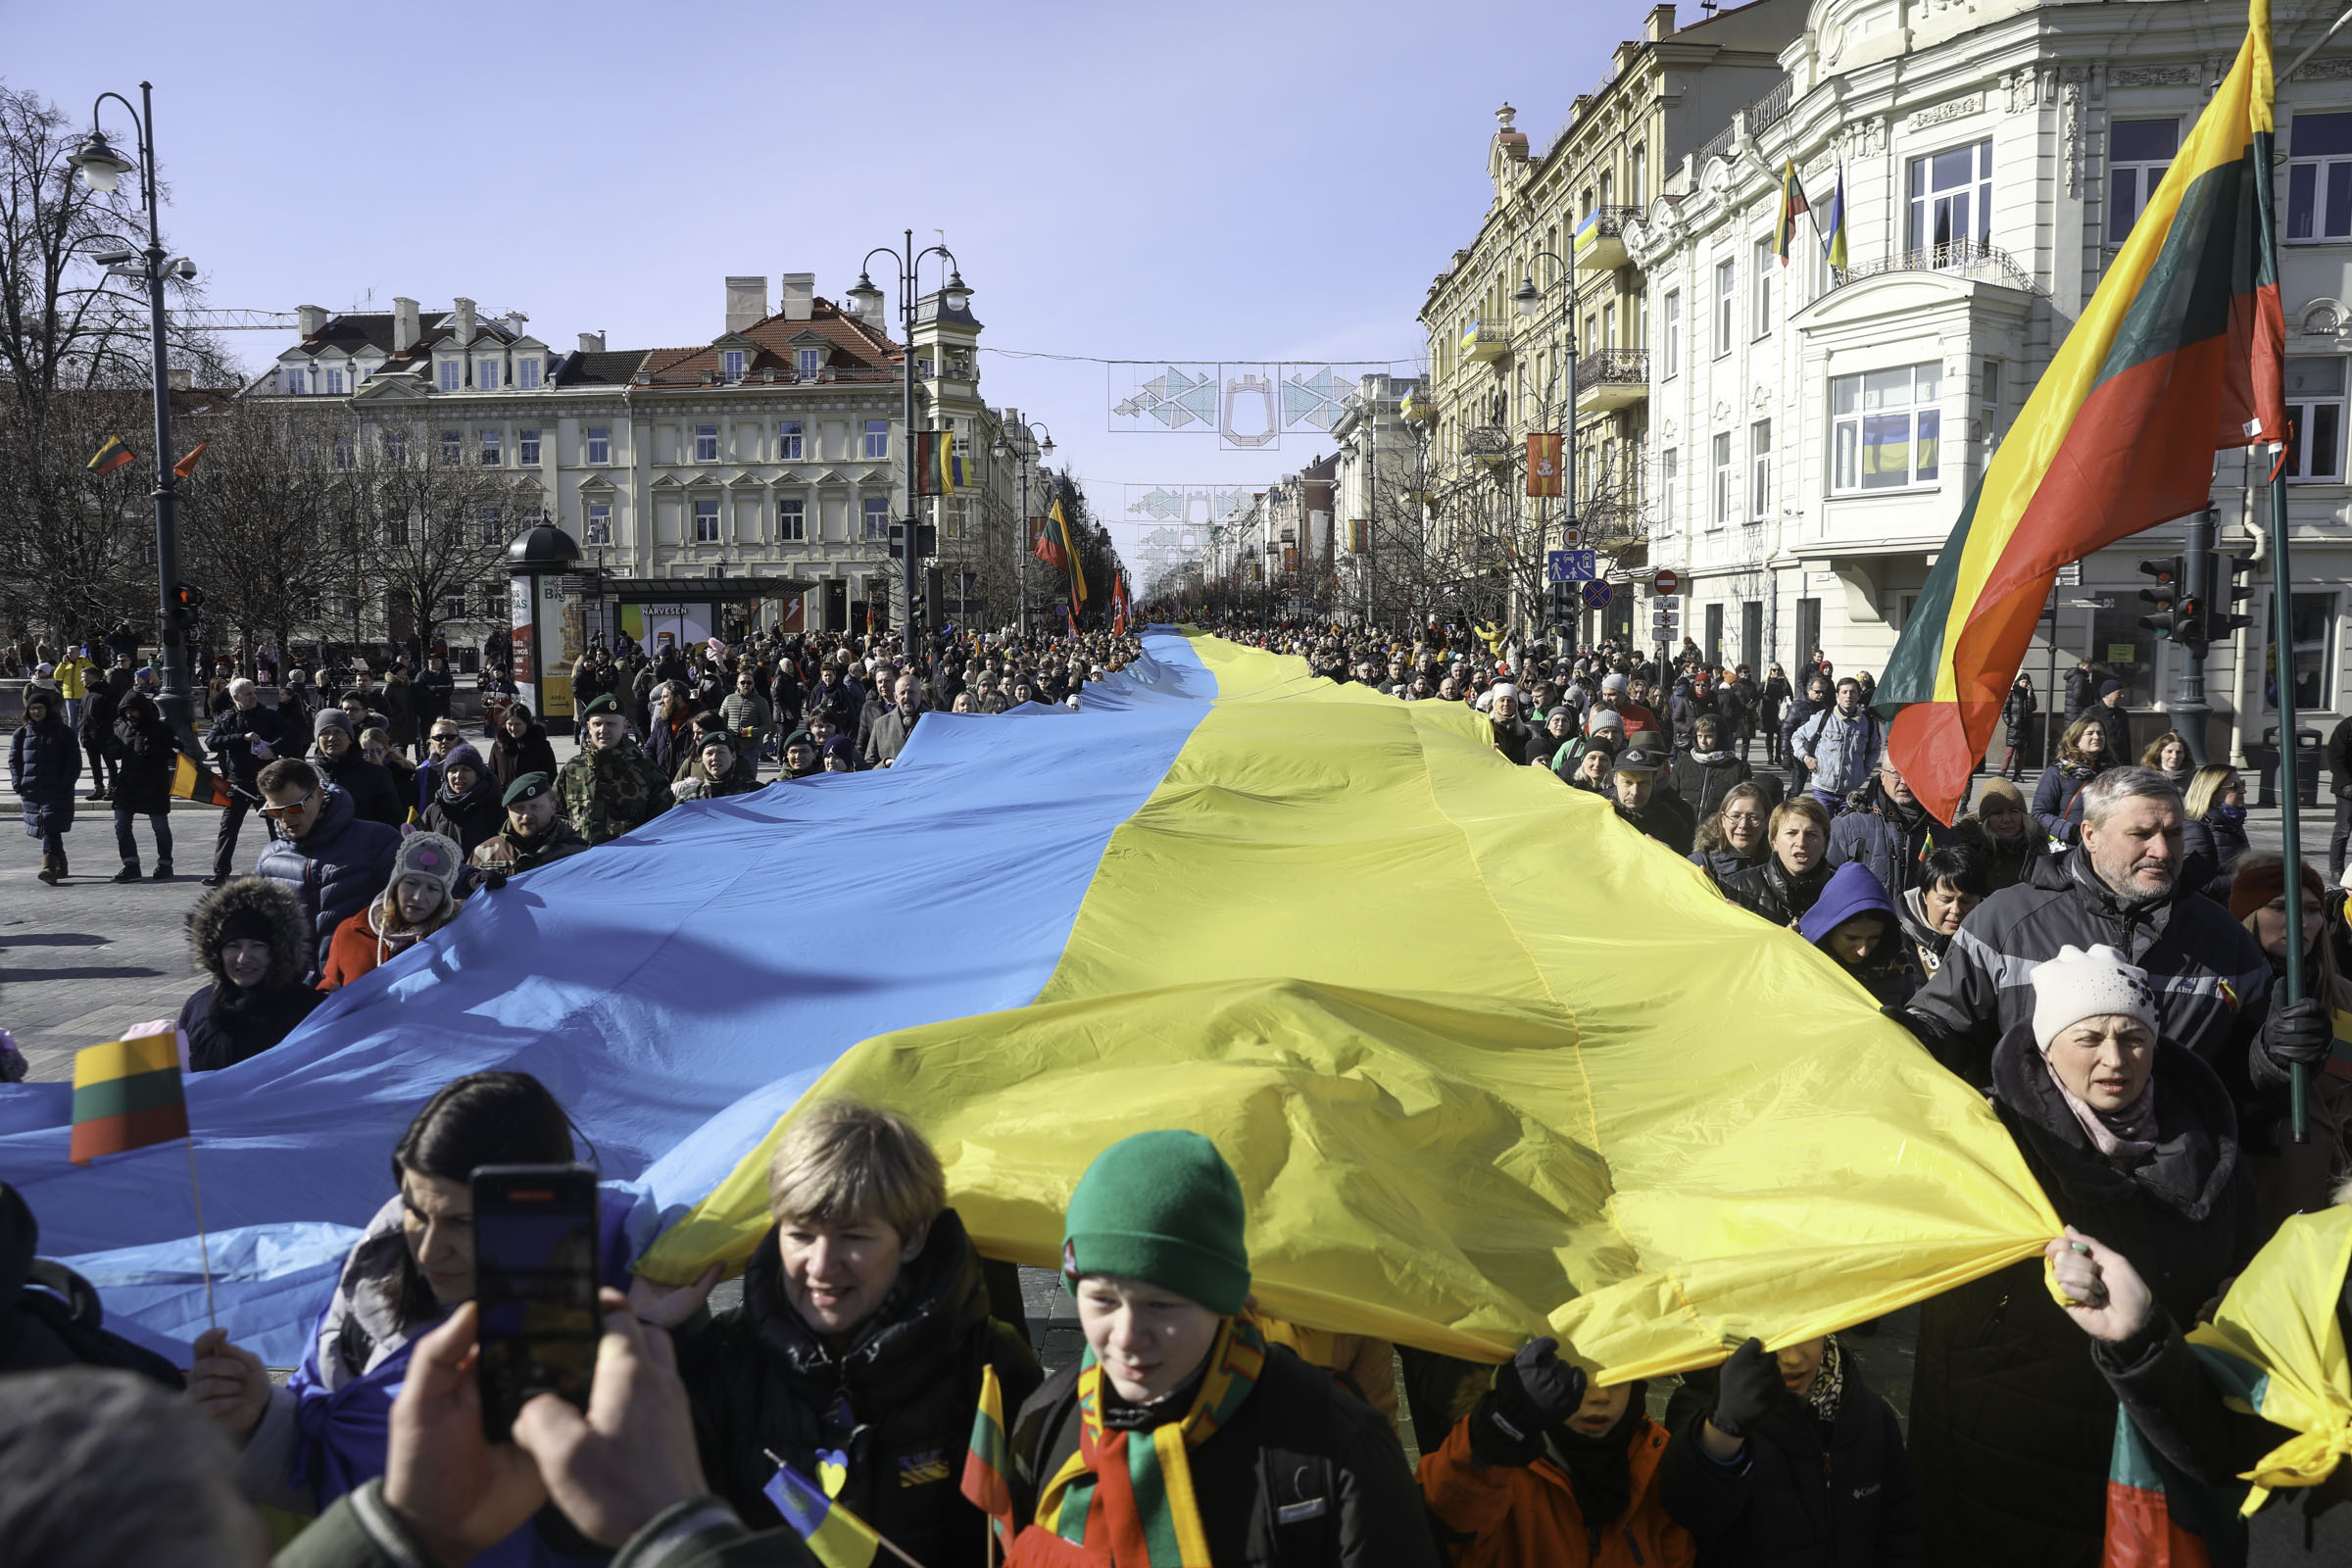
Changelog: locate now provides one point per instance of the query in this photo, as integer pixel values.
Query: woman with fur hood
(249, 935)
(418, 901)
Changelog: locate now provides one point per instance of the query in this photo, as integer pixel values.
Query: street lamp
(1041, 440)
(101, 166)
(1529, 301)
(954, 296)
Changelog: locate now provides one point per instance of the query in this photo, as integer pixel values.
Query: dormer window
(452, 375)
(485, 376)
(808, 360)
(334, 383)
(292, 379)
(526, 374)
(731, 365)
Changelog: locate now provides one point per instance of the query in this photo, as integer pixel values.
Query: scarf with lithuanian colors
(1126, 1497)
(2275, 1350)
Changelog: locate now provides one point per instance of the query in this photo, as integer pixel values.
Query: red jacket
(355, 947)
(1525, 1516)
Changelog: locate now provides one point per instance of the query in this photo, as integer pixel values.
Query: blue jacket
(334, 871)
(1847, 749)
(2058, 802)
(43, 762)
(1876, 836)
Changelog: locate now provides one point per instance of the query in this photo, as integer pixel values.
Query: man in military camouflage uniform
(533, 836)
(612, 785)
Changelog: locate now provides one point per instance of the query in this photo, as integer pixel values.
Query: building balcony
(1416, 409)
(1611, 381)
(1490, 445)
(1486, 342)
(1971, 258)
(1600, 238)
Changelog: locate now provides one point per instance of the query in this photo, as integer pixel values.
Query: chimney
(405, 328)
(747, 300)
(312, 318)
(464, 324)
(1660, 23)
(798, 296)
(592, 342)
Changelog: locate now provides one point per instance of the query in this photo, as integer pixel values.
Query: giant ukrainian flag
(2178, 355)
(1486, 1059)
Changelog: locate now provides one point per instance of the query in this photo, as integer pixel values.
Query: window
(1670, 462)
(1637, 176)
(1726, 281)
(334, 383)
(730, 365)
(1989, 407)
(1884, 428)
(706, 443)
(1670, 348)
(877, 517)
(2138, 151)
(1608, 327)
(1759, 305)
(1759, 471)
(808, 360)
(2315, 413)
(877, 438)
(485, 376)
(396, 447)
(1951, 200)
(2318, 178)
(789, 444)
(293, 380)
(600, 522)
(526, 374)
(1724, 482)
(494, 526)
(453, 376)
(600, 444)
(526, 449)
(2313, 623)
(341, 455)
(705, 523)
(1608, 188)
(792, 522)
(453, 448)
(490, 452)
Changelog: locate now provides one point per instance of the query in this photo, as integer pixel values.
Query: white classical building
(771, 453)
(1814, 434)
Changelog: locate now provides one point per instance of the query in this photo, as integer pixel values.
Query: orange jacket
(357, 947)
(1525, 1516)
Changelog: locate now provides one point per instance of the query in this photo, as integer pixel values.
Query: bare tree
(430, 528)
(255, 515)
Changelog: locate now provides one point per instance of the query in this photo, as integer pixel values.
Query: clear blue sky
(1198, 181)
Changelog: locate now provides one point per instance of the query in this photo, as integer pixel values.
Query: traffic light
(1563, 604)
(187, 597)
(2222, 594)
(2171, 614)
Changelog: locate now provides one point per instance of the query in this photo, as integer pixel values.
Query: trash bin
(2309, 758)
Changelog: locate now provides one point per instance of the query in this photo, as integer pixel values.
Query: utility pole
(2188, 707)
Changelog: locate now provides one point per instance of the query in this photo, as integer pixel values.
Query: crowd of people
(2100, 960)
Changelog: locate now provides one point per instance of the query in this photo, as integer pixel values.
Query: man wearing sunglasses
(332, 858)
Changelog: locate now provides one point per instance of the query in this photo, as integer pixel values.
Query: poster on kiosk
(546, 633)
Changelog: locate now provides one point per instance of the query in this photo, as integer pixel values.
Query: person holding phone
(322, 1434)
(861, 1342)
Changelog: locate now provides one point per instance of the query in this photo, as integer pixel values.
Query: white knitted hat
(2077, 985)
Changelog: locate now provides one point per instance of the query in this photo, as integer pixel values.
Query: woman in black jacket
(2135, 1140)
(43, 761)
(1789, 880)
(862, 1337)
(521, 747)
(1705, 773)
(149, 750)
(1735, 837)
(464, 806)
(250, 936)
(1790, 1458)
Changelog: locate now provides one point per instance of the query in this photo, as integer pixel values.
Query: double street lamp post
(1040, 441)
(952, 296)
(1529, 302)
(100, 167)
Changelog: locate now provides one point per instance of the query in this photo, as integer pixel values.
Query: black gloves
(2297, 1032)
(1745, 1388)
(1534, 1391)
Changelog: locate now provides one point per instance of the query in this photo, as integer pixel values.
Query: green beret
(601, 705)
(529, 787)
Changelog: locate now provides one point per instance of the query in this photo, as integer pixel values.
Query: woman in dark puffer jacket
(249, 935)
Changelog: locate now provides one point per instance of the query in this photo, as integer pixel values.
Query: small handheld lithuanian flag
(191, 780)
(111, 456)
(128, 1095)
(989, 1459)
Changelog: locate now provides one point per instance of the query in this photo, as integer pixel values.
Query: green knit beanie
(1165, 1208)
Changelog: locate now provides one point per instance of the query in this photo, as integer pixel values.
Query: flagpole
(203, 1250)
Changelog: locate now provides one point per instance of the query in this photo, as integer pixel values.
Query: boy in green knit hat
(1181, 1439)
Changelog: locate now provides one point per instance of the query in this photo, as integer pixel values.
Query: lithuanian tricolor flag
(2178, 355)
(191, 780)
(1056, 547)
(127, 1095)
(939, 471)
(1793, 203)
(988, 1460)
(110, 457)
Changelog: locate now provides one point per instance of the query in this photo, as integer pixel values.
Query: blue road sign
(1569, 566)
(1596, 595)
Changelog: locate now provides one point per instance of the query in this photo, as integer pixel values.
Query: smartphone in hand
(534, 1281)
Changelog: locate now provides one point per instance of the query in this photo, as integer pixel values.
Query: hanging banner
(1359, 536)
(1250, 408)
(1543, 464)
